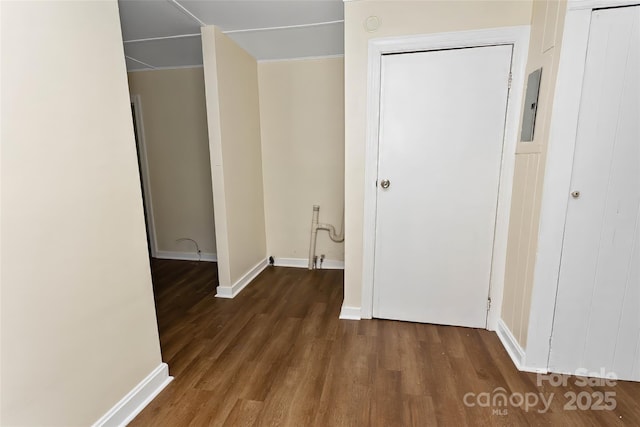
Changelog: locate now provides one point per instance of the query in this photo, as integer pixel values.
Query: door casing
(518, 37)
(136, 101)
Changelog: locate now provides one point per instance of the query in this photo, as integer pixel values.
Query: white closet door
(441, 138)
(597, 320)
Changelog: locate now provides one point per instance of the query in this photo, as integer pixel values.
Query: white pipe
(332, 232)
(315, 226)
(314, 234)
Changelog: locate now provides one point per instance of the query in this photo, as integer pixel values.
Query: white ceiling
(166, 33)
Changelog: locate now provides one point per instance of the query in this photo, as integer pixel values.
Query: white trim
(350, 313)
(518, 36)
(137, 399)
(557, 184)
(284, 27)
(232, 291)
(187, 256)
(510, 343)
(328, 264)
(302, 58)
(598, 4)
(136, 100)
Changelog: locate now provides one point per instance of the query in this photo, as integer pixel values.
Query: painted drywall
(174, 116)
(302, 126)
(544, 51)
(78, 320)
(233, 116)
(365, 20)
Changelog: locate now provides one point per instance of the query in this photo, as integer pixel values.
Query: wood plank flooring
(277, 355)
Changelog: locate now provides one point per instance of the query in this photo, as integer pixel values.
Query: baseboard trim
(328, 264)
(187, 256)
(350, 313)
(236, 288)
(510, 344)
(135, 401)
(514, 350)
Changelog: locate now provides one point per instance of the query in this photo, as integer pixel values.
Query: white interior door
(442, 119)
(597, 320)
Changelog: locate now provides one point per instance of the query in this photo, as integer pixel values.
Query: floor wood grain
(277, 355)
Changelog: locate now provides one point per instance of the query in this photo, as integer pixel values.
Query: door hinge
(510, 80)
(488, 303)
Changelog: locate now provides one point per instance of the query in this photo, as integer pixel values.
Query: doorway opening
(143, 168)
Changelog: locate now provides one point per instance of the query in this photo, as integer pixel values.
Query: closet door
(442, 118)
(597, 320)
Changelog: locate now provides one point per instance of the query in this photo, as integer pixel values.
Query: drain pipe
(314, 235)
(315, 226)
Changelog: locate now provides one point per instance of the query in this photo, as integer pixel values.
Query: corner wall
(233, 116)
(302, 124)
(175, 128)
(78, 325)
(544, 51)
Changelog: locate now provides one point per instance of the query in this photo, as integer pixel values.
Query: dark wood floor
(278, 355)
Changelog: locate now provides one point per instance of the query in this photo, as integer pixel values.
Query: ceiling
(166, 33)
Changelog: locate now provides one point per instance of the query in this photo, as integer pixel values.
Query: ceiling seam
(285, 27)
(149, 39)
(187, 12)
(259, 61)
(302, 58)
(169, 67)
(140, 62)
(247, 30)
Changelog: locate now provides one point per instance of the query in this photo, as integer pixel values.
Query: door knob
(385, 183)
(575, 194)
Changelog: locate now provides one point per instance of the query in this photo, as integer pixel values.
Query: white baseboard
(350, 313)
(514, 349)
(510, 344)
(328, 264)
(232, 291)
(135, 401)
(186, 256)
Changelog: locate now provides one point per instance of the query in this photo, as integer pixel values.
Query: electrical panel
(530, 106)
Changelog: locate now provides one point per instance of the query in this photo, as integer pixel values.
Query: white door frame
(557, 176)
(518, 37)
(136, 100)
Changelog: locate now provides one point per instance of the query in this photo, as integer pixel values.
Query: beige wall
(544, 51)
(396, 18)
(302, 123)
(231, 77)
(175, 127)
(78, 322)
